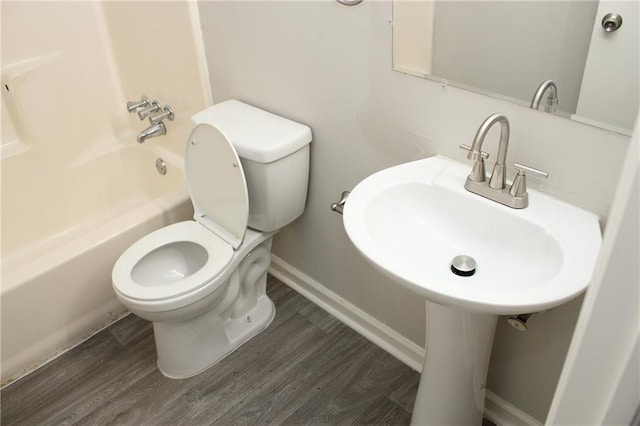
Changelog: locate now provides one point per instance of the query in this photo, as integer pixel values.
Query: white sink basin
(411, 220)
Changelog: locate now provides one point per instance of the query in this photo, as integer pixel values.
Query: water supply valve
(135, 105)
(160, 115)
(147, 111)
(519, 322)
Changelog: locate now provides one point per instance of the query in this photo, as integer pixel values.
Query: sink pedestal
(453, 382)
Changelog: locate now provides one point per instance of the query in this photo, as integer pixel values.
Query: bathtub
(58, 246)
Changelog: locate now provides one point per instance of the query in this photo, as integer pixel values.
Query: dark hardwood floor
(306, 368)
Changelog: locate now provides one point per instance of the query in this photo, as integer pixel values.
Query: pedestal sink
(412, 220)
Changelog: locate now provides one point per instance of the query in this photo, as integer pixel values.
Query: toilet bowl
(203, 282)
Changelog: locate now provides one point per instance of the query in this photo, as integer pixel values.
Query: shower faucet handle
(166, 112)
(146, 112)
(133, 105)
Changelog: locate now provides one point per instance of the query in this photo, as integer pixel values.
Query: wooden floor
(306, 368)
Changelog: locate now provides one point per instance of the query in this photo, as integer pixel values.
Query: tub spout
(155, 130)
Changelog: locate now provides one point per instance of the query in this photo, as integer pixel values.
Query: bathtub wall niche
(77, 188)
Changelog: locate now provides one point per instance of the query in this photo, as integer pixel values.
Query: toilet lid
(216, 183)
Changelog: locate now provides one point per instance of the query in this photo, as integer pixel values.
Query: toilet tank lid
(256, 134)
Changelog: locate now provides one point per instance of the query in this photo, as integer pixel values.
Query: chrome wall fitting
(611, 22)
(153, 131)
(158, 116)
(133, 106)
(147, 111)
(339, 206)
(155, 113)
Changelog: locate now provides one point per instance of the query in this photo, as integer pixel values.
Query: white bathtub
(77, 189)
(59, 245)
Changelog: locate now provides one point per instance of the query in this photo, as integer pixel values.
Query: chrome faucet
(498, 177)
(155, 113)
(145, 112)
(156, 129)
(161, 114)
(496, 189)
(135, 105)
(552, 97)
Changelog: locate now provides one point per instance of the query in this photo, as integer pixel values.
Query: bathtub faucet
(135, 105)
(155, 130)
(145, 112)
(155, 113)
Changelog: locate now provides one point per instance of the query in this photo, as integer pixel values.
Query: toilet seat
(181, 258)
(219, 254)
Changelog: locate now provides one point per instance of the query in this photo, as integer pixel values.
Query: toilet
(202, 282)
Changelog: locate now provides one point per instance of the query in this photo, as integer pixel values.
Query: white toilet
(203, 282)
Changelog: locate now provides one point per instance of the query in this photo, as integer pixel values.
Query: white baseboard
(504, 413)
(496, 409)
(369, 327)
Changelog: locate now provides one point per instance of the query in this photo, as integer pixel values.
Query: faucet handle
(146, 112)
(522, 169)
(133, 106)
(485, 155)
(160, 115)
(519, 185)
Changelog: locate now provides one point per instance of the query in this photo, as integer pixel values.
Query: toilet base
(188, 348)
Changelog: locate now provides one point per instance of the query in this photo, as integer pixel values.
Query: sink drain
(463, 265)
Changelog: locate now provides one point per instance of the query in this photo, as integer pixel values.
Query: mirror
(508, 49)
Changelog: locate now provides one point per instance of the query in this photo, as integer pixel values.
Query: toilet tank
(274, 152)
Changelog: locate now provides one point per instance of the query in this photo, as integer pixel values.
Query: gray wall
(329, 66)
(511, 47)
